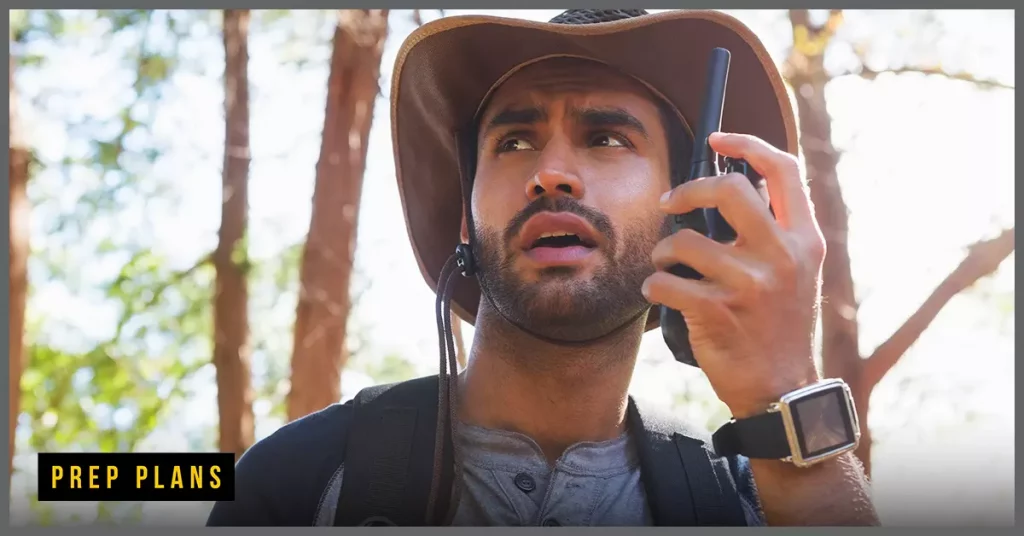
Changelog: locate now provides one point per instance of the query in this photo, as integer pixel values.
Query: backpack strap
(390, 454)
(687, 484)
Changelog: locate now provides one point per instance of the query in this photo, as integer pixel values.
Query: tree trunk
(841, 354)
(231, 325)
(840, 350)
(319, 353)
(19, 250)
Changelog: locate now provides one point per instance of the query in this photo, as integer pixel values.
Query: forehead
(585, 82)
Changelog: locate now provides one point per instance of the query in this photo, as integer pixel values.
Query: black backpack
(389, 463)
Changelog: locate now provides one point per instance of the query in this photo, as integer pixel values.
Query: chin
(558, 278)
(572, 303)
(563, 308)
(566, 308)
(557, 304)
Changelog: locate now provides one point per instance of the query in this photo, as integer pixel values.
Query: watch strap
(760, 436)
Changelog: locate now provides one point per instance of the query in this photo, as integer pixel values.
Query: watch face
(822, 422)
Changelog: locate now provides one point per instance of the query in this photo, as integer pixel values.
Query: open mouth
(561, 240)
(552, 239)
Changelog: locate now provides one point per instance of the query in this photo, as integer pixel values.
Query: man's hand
(752, 318)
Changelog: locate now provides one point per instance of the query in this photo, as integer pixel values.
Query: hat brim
(447, 67)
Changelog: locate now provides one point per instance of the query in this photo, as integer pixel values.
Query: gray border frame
(407, 4)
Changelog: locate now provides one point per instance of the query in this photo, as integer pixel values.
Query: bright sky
(931, 170)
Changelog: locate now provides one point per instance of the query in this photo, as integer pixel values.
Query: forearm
(831, 493)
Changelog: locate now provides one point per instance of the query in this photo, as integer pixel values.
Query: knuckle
(685, 236)
(734, 183)
(787, 264)
(817, 247)
(810, 244)
(663, 253)
(757, 284)
(788, 164)
(705, 302)
(681, 241)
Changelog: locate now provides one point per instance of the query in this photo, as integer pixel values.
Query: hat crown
(595, 16)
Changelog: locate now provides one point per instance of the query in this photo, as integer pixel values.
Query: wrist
(807, 426)
(757, 400)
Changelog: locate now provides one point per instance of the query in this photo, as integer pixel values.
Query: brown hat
(447, 68)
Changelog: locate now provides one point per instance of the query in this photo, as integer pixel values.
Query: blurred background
(164, 169)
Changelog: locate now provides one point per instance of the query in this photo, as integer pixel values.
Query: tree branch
(809, 41)
(178, 277)
(982, 259)
(158, 292)
(871, 74)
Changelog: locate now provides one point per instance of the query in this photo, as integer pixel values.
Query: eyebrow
(516, 116)
(591, 117)
(609, 117)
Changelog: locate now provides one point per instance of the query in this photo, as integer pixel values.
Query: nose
(556, 174)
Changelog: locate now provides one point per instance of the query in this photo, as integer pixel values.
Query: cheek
(631, 197)
(630, 192)
(495, 198)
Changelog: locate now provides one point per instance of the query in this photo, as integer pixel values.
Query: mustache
(599, 221)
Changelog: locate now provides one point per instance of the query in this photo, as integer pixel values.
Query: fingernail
(643, 288)
(665, 197)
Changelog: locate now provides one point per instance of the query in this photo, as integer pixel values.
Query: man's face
(572, 160)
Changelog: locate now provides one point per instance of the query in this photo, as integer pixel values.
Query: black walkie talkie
(710, 223)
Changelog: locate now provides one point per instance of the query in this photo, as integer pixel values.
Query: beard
(561, 305)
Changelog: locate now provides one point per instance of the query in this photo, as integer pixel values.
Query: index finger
(781, 173)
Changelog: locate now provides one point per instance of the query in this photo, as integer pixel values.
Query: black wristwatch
(805, 427)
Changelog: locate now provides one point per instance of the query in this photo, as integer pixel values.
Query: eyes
(517, 141)
(510, 144)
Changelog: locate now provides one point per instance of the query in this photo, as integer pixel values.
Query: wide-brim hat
(447, 68)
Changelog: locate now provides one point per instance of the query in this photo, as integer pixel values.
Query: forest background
(176, 177)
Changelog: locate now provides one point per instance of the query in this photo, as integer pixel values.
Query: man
(559, 142)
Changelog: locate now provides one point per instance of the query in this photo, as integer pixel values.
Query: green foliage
(274, 285)
(273, 16)
(116, 169)
(273, 296)
(73, 400)
(42, 512)
(240, 254)
(18, 24)
(80, 392)
(111, 391)
(389, 369)
(122, 19)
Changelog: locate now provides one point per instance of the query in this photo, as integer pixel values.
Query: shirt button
(550, 522)
(525, 482)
